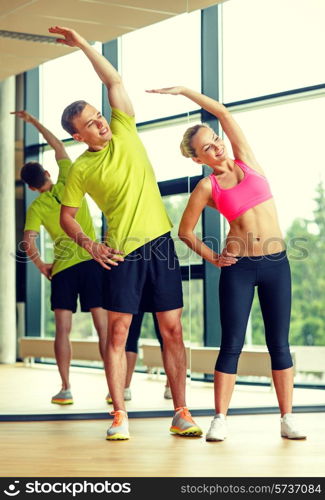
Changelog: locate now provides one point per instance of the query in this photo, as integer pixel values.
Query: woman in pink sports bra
(254, 256)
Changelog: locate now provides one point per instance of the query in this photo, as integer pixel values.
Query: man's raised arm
(51, 139)
(117, 95)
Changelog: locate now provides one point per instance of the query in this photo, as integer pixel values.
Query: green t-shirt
(122, 182)
(45, 210)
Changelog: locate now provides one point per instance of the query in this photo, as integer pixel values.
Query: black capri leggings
(135, 332)
(271, 275)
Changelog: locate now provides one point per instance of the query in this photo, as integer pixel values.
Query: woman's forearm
(211, 105)
(197, 245)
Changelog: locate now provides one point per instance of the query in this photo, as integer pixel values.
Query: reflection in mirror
(158, 66)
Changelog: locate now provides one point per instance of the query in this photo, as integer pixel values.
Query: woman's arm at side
(199, 199)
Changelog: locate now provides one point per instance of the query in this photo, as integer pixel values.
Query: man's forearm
(104, 69)
(50, 138)
(75, 232)
(33, 253)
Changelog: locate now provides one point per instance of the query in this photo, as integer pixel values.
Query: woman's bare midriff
(256, 232)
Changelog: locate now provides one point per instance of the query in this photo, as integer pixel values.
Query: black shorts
(84, 279)
(148, 280)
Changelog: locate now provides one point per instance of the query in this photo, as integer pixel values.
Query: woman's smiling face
(210, 149)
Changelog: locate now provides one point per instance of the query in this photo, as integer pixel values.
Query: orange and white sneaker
(119, 430)
(64, 397)
(183, 423)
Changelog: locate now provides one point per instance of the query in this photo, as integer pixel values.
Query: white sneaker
(218, 428)
(127, 394)
(289, 428)
(168, 393)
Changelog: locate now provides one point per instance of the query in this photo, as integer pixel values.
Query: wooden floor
(78, 448)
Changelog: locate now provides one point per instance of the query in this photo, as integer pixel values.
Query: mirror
(161, 138)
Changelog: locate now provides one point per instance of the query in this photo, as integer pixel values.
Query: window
(162, 145)
(162, 55)
(270, 47)
(63, 81)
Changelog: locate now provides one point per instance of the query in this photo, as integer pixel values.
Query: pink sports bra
(233, 202)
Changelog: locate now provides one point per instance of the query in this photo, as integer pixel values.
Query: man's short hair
(72, 111)
(33, 174)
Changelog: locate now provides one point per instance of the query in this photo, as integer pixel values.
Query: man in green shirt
(116, 172)
(73, 271)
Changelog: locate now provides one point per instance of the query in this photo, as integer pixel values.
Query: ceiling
(96, 20)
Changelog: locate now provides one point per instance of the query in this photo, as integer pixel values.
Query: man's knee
(62, 331)
(118, 332)
(172, 333)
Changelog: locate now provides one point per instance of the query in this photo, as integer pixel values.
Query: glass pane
(162, 145)
(165, 54)
(271, 46)
(63, 81)
(175, 206)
